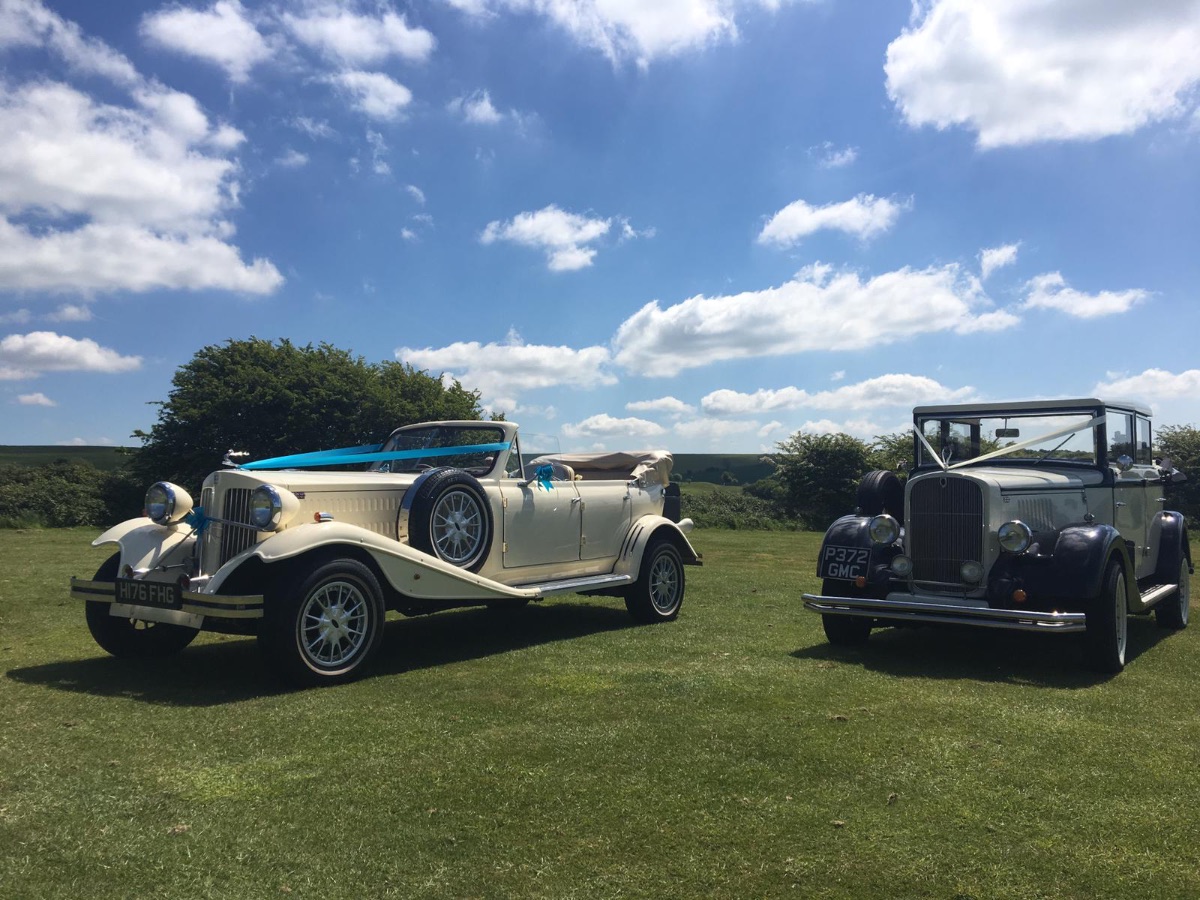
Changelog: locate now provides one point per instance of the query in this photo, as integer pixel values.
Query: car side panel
(607, 511)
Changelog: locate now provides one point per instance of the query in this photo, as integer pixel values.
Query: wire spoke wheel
(664, 584)
(657, 594)
(333, 624)
(457, 527)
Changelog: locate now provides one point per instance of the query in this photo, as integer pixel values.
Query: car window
(1143, 442)
(437, 439)
(1120, 436)
(1066, 436)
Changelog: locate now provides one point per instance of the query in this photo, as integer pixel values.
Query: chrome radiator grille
(945, 527)
(222, 540)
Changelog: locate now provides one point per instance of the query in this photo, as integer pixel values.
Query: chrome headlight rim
(902, 565)
(971, 572)
(1014, 536)
(166, 503)
(884, 529)
(273, 508)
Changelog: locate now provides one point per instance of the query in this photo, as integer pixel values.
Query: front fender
(847, 552)
(410, 572)
(1072, 570)
(145, 545)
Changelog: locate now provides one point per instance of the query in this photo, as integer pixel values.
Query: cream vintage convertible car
(445, 514)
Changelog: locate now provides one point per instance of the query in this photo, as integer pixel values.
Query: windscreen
(437, 439)
(958, 438)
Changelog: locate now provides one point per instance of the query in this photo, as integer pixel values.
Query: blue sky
(696, 224)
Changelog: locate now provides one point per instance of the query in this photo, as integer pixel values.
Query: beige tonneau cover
(619, 465)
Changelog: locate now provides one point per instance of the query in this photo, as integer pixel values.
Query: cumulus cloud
(476, 108)
(1036, 70)
(816, 311)
(713, 431)
(994, 258)
(864, 217)
(222, 35)
(416, 193)
(16, 317)
(1051, 291)
(1151, 384)
(563, 236)
(373, 94)
(356, 40)
(604, 427)
(71, 312)
(29, 355)
(99, 196)
(292, 159)
(829, 156)
(669, 405)
(633, 30)
(504, 370)
(37, 399)
(885, 390)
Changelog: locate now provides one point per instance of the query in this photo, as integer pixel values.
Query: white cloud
(71, 312)
(1051, 291)
(604, 427)
(37, 399)
(316, 130)
(16, 317)
(633, 29)
(561, 235)
(830, 157)
(1152, 384)
(864, 217)
(1034, 70)
(29, 355)
(885, 390)
(770, 428)
(359, 40)
(476, 108)
(816, 311)
(993, 258)
(859, 428)
(669, 405)
(379, 148)
(292, 159)
(222, 35)
(416, 193)
(839, 375)
(99, 196)
(409, 235)
(714, 431)
(373, 94)
(505, 370)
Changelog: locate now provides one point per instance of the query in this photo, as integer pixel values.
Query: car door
(1134, 492)
(606, 507)
(542, 525)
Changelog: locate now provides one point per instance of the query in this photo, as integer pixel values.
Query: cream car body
(448, 514)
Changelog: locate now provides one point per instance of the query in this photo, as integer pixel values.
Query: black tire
(323, 625)
(1107, 637)
(844, 631)
(1172, 613)
(132, 638)
(881, 492)
(450, 518)
(657, 595)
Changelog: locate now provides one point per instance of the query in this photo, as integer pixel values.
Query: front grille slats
(945, 527)
(228, 539)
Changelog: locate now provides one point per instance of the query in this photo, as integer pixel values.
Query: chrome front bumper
(903, 607)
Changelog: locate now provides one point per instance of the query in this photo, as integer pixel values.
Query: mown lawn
(559, 751)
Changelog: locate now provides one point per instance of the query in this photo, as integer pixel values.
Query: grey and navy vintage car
(441, 515)
(1046, 516)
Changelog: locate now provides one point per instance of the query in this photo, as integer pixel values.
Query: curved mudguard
(144, 545)
(1173, 548)
(1073, 569)
(644, 530)
(847, 552)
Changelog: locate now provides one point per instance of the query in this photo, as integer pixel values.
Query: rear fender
(1173, 548)
(645, 531)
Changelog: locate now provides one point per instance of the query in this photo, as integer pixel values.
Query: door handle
(1120, 503)
(575, 500)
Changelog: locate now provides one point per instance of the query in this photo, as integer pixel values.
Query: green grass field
(559, 751)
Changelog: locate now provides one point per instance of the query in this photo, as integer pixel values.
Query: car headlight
(902, 565)
(884, 529)
(971, 572)
(271, 508)
(1015, 536)
(167, 503)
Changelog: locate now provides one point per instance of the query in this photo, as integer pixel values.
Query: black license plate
(844, 563)
(160, 594)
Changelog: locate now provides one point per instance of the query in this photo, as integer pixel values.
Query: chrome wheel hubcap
(333, 623)
(457, 527)
(664, 584)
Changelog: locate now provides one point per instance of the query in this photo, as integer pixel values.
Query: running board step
(1156, 593)
(575, 585)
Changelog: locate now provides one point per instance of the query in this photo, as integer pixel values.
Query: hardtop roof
(1031, 406)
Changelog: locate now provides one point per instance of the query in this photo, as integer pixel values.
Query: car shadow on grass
(230, 669)
(948, 651)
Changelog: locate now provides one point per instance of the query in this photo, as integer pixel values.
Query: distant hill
(103, 458)
(745, 467)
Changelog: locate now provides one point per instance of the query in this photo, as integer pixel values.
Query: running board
(1159, 592)
(575, 585)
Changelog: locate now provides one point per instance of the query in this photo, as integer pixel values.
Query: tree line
(267, 398)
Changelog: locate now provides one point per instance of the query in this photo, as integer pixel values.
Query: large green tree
(270, 399)
(820, 475)
(1182, 444)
